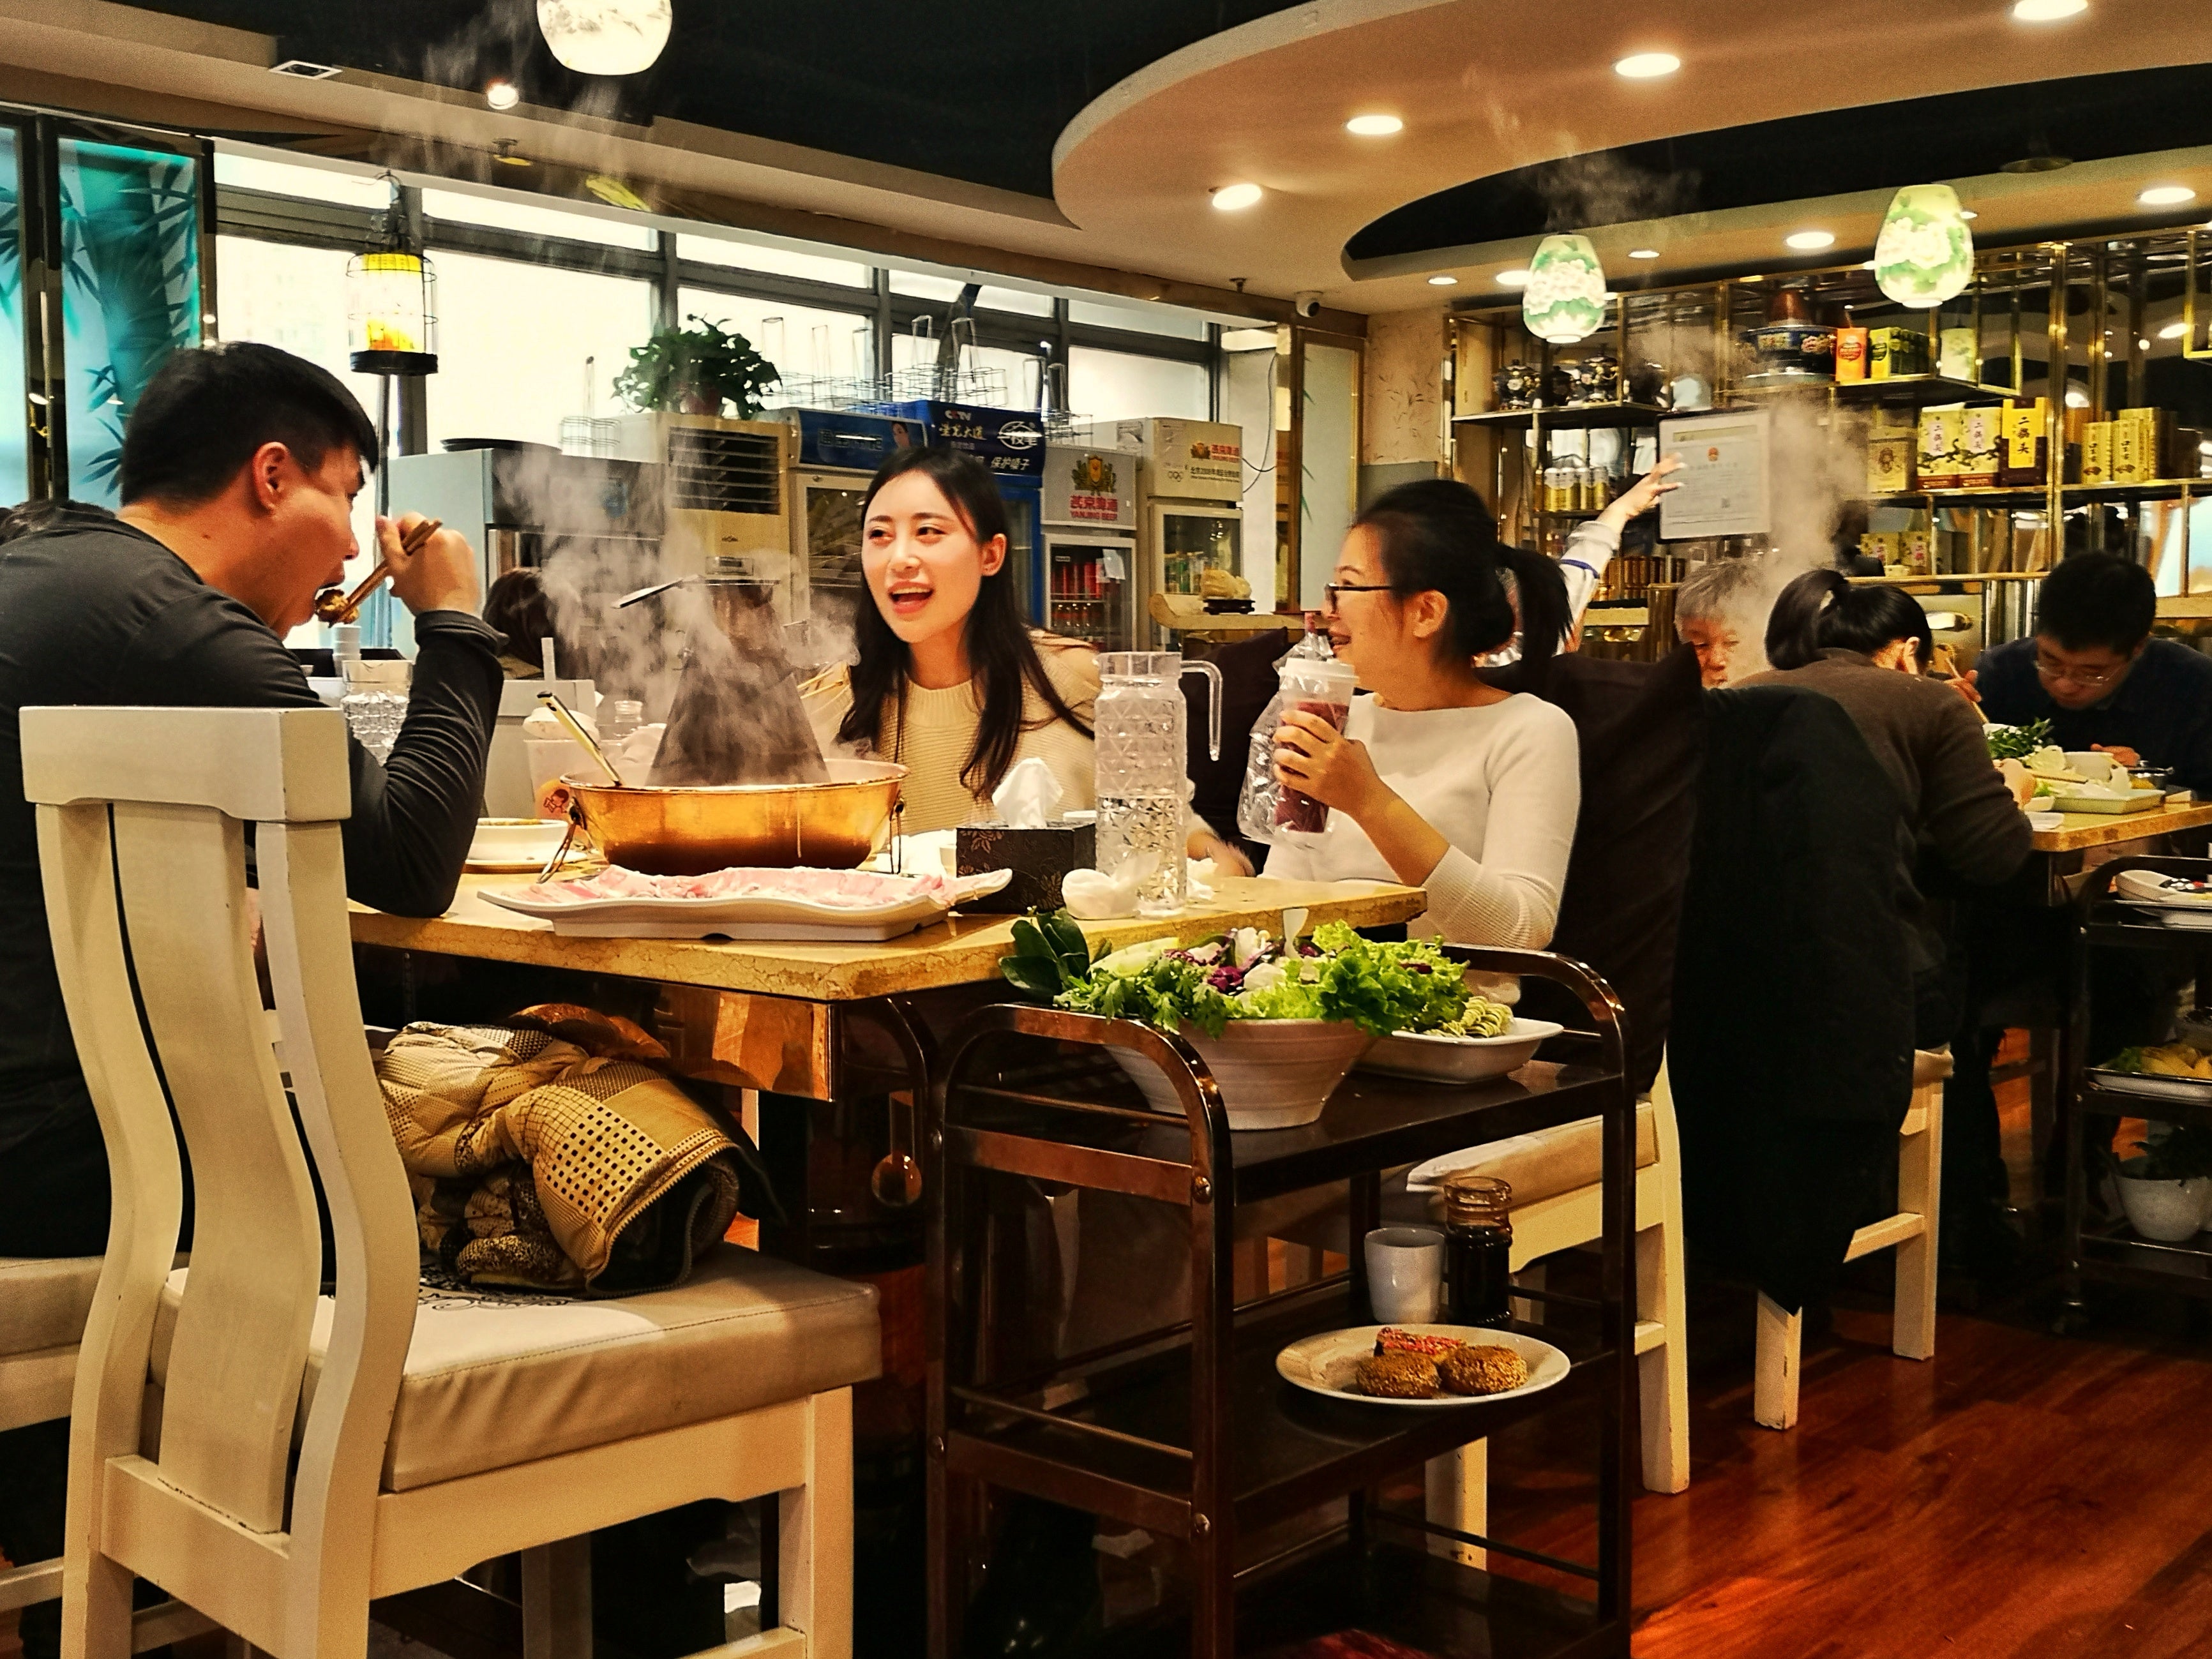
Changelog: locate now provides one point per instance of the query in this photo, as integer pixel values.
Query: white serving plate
(1440, 1059)
(2174, 915)
(1324, 1364)
(2164, 1087)
(2141, 800)
(2151, 887)
(749, 918)
(506, 845)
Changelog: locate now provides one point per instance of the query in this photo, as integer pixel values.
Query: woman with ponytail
(1439, 779)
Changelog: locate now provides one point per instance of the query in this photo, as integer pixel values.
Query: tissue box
(1040, 858)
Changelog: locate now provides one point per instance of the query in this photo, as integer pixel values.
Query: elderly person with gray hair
(1719, 612)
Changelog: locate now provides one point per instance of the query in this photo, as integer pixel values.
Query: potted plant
(2166, 1189)
(1277, 1025)
(697, 371)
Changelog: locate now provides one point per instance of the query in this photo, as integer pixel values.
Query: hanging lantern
(1926, 251)
(606, 37)
(1565, 300)
(391, 313)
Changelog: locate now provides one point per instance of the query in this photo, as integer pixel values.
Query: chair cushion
(44, 1301)
(494, 1380)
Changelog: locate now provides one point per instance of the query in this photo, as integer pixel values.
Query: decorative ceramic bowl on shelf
(1437, 1057)
(1272, 1074)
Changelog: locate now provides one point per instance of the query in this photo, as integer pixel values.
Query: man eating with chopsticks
(239, 469)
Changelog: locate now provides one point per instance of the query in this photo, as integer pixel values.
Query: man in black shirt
(239, 471)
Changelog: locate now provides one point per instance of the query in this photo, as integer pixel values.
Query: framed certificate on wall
(1723, 477)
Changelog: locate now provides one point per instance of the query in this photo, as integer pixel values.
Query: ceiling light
(1754, 277)
(1566, 295)
(1806, 240)
(1648, 65)
(1925, 252)
(1374, 126)
(2173, 330)
(1512, 279)
(2076, 399)
(1231, 197)
(300, 69)
(2047, 11)
(1644, 254)
(1443, 281)
(502, 95)
(606, 37)
(2167, 196)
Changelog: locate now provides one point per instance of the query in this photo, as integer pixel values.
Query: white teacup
(2091, 763)
(1405, 1274)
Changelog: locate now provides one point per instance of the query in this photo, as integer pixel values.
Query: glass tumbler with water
(1141, 723)
(375, 700)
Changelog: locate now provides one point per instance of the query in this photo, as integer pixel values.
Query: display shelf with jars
(2093, 352)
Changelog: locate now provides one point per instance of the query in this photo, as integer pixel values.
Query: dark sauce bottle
(1478, 1249)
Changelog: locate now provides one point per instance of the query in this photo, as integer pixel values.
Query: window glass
(920, 287)
(15, 461)
(1109, 385)
(1138, 318)
(783, 262)
(1019, 301)
(800, 340)
(294, 297)
(521, 346)
(361, 190)
(505, 213)
(131, 292)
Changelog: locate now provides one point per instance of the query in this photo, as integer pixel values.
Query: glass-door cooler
(1188, 541)
(1089, 594)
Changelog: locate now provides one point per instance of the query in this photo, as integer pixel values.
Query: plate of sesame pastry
(1421, 1364)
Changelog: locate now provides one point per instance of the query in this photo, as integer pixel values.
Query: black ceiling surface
(972, 90)
(1837, 152)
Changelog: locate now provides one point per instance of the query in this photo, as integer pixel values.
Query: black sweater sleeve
(412, 816)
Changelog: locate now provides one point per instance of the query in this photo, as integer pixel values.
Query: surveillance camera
(1307, 304)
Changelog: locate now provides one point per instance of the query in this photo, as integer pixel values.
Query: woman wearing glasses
(1439, 779)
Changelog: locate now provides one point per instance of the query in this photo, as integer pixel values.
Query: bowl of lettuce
(1279, 1028)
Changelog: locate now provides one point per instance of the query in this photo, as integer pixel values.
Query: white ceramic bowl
(2166, 1210)
(515, 843)
(1272, 1074)
(1441, 1059)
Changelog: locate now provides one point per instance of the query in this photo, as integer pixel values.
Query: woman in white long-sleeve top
(1440, 780)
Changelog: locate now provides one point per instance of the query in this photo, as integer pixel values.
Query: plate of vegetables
(2172, 1070)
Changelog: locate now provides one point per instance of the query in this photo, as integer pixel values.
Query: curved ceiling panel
(1834, 152)
(1488, 87)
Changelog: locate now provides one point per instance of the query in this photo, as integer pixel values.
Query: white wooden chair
(1911, 1232)
(301, 1454)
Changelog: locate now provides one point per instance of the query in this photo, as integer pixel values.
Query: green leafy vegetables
(1248, 975)
(2018, 742)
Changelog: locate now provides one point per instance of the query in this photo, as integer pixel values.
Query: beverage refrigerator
(1190, 512)
(1088, 569)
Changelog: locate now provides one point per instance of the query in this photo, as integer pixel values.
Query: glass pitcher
(1141, 722)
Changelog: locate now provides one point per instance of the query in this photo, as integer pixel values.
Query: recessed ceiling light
(2173, 330)
(2037, 164)
(1968, 213)
(1806, 240)
(2167, 196)
(1512, 279)
(1443, 281)
(1754, 277)
(502, 95)
(1231, 197)
(300, 69)
(1644, 254)
(1648, 65)
(2047, 11)
(1374, 126)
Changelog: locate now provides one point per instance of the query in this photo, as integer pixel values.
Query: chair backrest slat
(240, 1346)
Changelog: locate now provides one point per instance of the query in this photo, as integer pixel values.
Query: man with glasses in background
(2094, 671)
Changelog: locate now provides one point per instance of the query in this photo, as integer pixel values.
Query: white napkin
(1027, 796)
(1094, 895)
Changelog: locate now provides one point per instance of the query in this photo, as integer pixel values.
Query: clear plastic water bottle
(375, 700)
(1141, 721)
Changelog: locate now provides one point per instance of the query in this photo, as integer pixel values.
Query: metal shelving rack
(2109, 1249)
(2111, 281)
(1187, 1431)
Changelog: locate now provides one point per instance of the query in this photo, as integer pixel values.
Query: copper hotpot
(692, 831)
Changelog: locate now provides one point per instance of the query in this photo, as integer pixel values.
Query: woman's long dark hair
(1000, 653)
(1820, 610)
(1437, 535)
